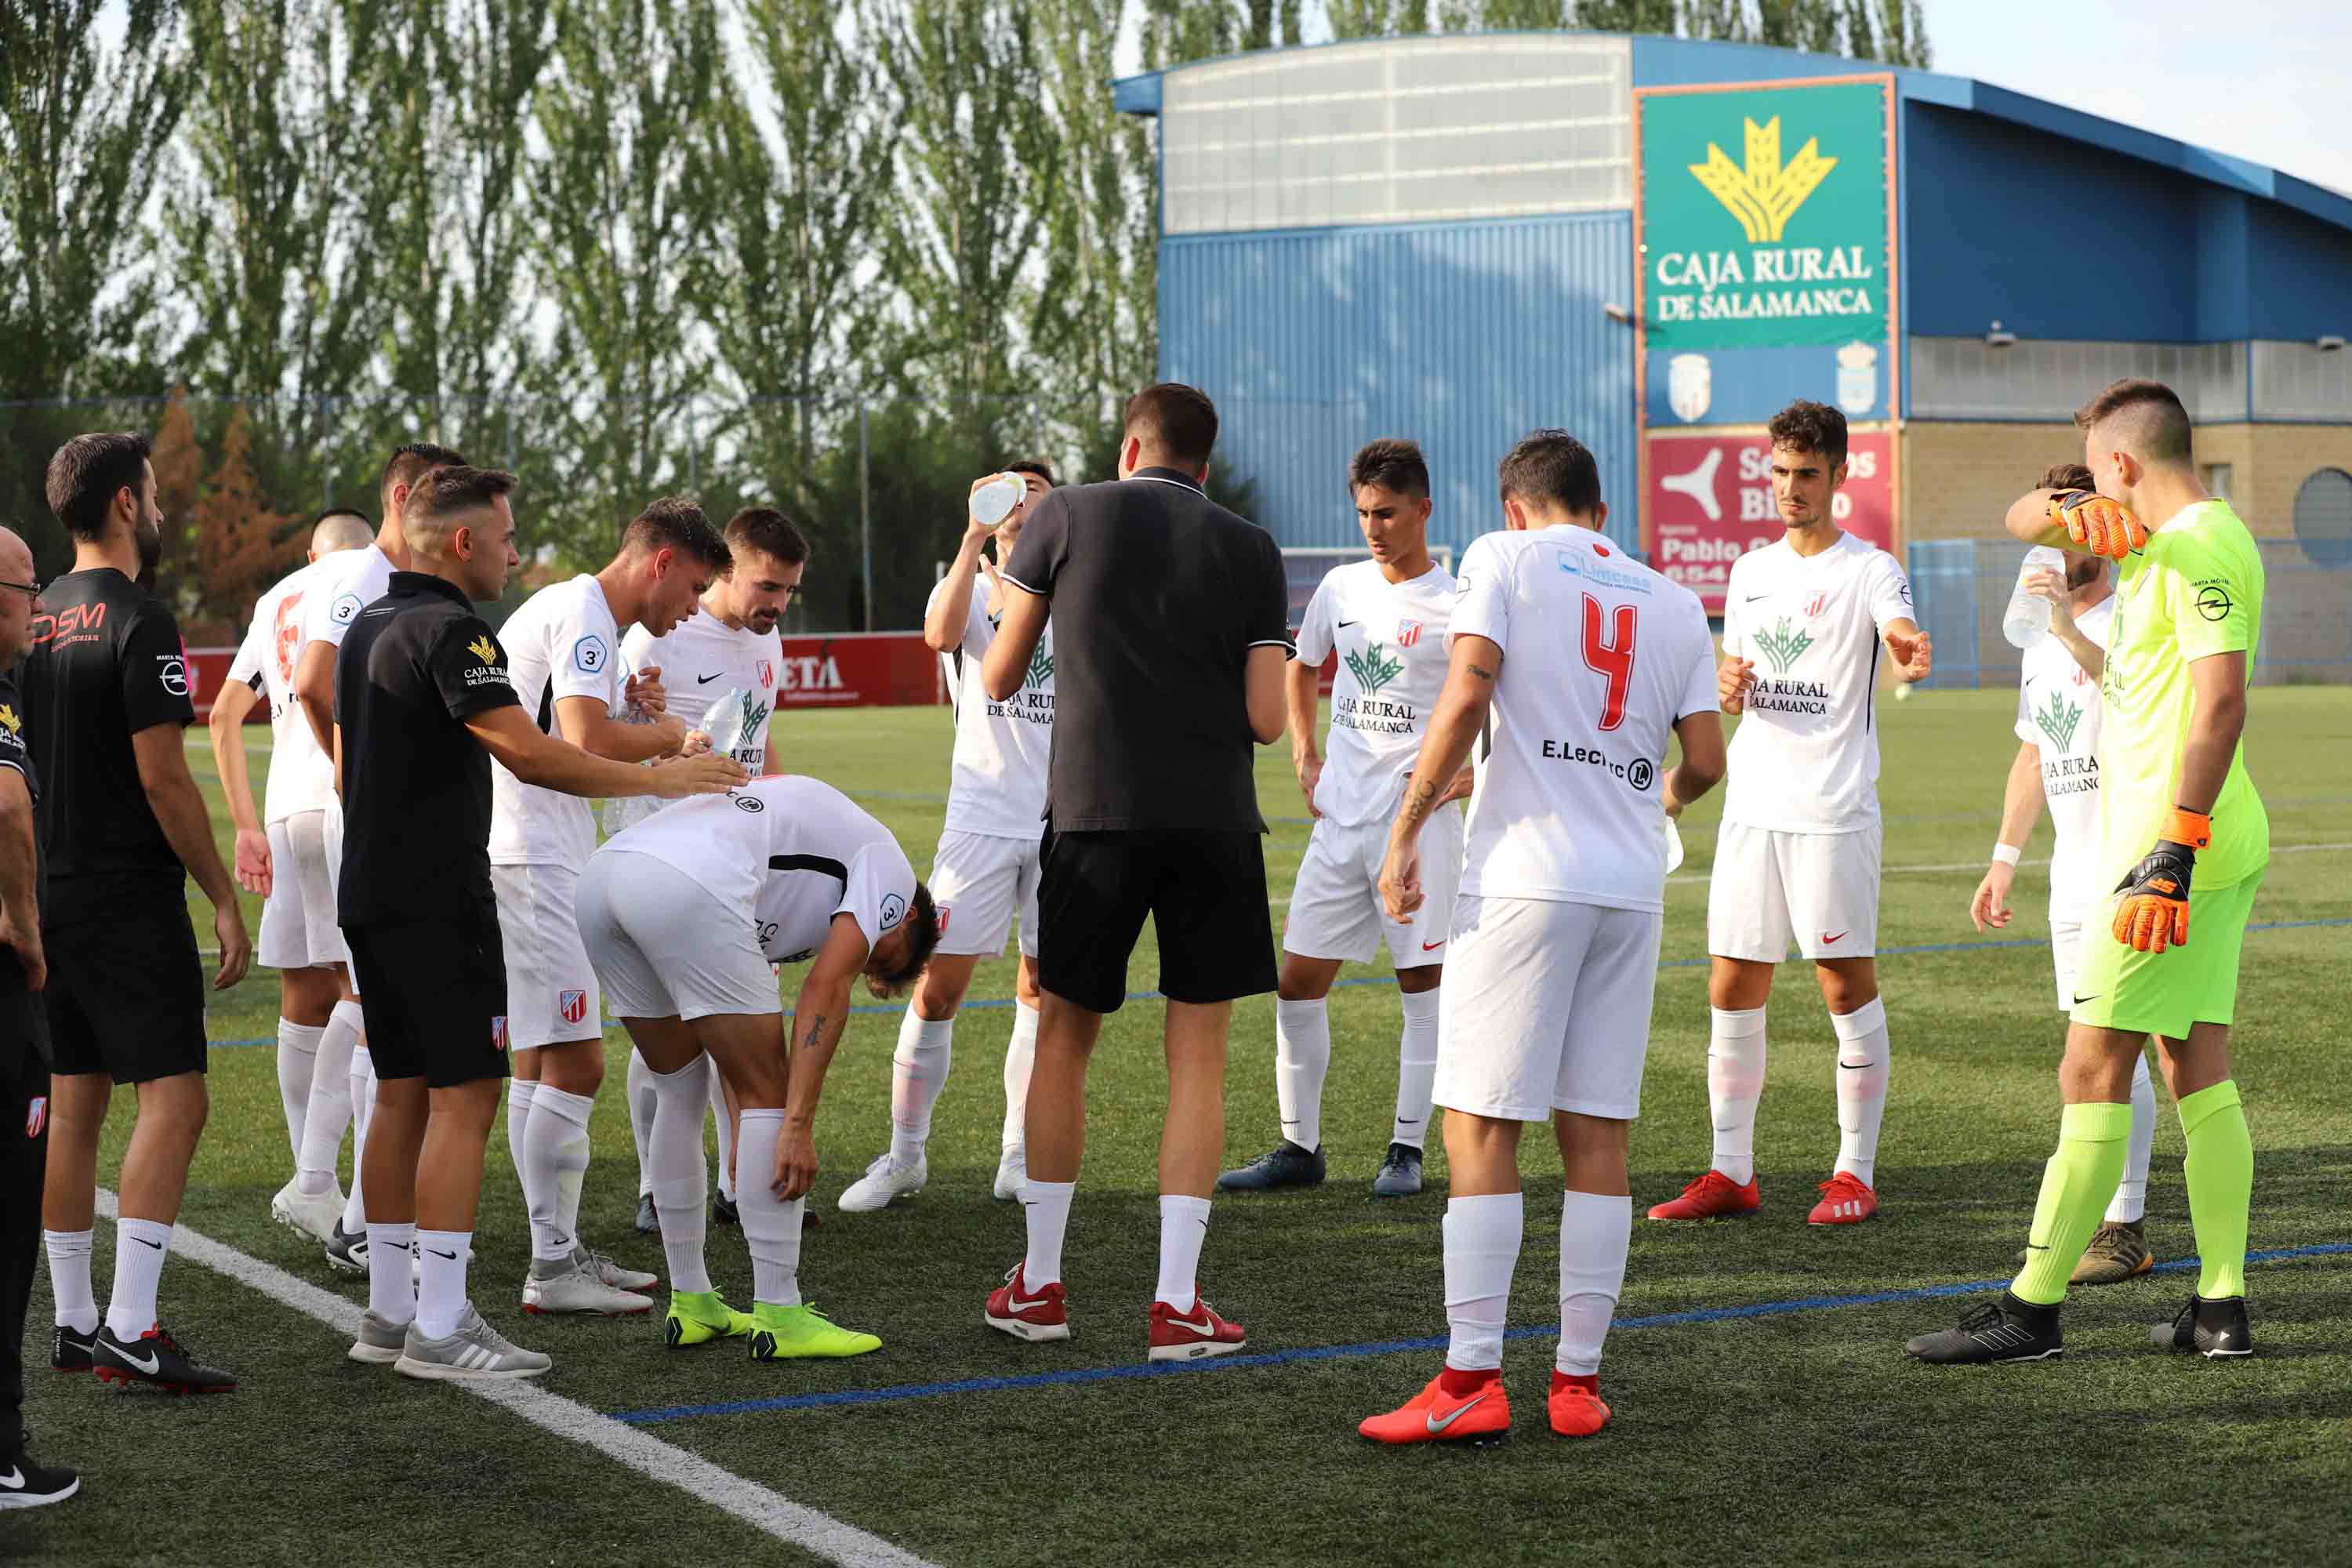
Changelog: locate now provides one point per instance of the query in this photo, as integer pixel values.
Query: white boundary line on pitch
(765, 1511)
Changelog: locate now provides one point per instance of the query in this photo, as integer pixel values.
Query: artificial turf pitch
(1790, 1437)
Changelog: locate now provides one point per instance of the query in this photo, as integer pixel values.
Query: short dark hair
(769, 532)
(922, 930)
(2160, 430)
(1392, 463)
(1808, 426)
(1554, 468)
(449, 491)
(317, 518)
(676, 523)
(1037, 466)
(2066, 476)
(412, 461)
(86, 474)
(1179, 422)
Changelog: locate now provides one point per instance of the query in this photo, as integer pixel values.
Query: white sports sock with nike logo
(139, 1246)
(77, 1307)
(1862, 1086)
(1482, 1248)
(1595, 1231)
(555, 1149)
(1183, 1226)
(391, 1288)
(1416, 1068)
(1302, 1059)
(298, 1057)
(674, 1165)
(442, 1256)
(1735, 1083)
(1046, 1210)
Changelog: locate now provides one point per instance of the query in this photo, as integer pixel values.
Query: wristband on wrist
(2007, 854)
(2182, 825)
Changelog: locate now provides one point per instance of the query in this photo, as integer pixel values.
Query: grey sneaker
(567, 1285)
(475, 1351)
(378, 1342)
(611, 1273)
(1400, 1174)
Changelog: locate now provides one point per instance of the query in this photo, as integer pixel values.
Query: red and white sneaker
(1576, 1410)
(1479, 1416)
(1845, 1200)
(1014, 1308)
(1713, 1197)
(1188, 1336)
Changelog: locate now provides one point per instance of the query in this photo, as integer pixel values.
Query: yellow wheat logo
(1766, 194)
(483, 648)
(8, 717)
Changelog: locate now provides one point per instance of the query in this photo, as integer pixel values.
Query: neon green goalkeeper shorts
(2165, 993)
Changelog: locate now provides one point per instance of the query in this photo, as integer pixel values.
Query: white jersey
(1002, 749)
(1805, 756)
(790, 852)
(561, 642)
(1601, 656)
(2058, 711)
(701, 660)
(348, 582)
(301, 776)
(1391, 639)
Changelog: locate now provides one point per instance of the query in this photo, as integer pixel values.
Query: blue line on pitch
(1382, 1347)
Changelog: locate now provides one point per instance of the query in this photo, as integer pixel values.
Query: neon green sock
(2221, 1171)
(2075, 1186)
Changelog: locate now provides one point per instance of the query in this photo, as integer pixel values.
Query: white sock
(1302, 1056)
(70, 1278)
(298, 1054)
(771, 1228)
(391, 1288)
(557, 1147)
(1594, 1232)
(331, 1105)
(2130, 1201)
(1020, 1057)
(1482, 1248)
(1735, 1082)
(675, 1168)
(1416, 1068)
(363, 1089)
(1862, 1086)
(919, 1070)
(1183, 1226)
(726, 1135)
(1046, 1208)
(140, 1248)
(641, 1119)
(441, 1283)
(520, 1093)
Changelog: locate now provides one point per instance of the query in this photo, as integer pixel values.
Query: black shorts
(1205, 893)
(126, 990)
(435, 996)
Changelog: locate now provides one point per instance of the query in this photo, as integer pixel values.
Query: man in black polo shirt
(1170, 632)
(106, 698)
(423, 702)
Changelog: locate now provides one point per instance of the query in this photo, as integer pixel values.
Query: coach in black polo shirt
(421, 704)
(1169, 635)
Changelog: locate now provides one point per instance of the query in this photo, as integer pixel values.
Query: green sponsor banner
(1764, 216)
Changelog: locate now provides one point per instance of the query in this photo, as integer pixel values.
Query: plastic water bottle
(1673, 846)
(723, 720)
(2027, 619)
(995, 502)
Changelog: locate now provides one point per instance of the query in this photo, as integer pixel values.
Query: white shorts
(979, 882)
(330, 838)
(1769, 889)
(1546, 1006)
(1335, 906)
(298, 930)
(552, 994)
(666, 947)
(2066, 957)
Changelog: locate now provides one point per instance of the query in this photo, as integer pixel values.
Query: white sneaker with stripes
(476, 1350)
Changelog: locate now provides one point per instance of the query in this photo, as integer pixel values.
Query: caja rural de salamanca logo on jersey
(1783, 646)
(2059, 720)
(1372, 668)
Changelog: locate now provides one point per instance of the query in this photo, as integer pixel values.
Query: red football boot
(1576, 1410)
(1480, 1415)
(1713, 1197)
(1845, 1200)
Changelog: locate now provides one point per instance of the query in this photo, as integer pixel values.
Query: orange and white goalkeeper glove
(2152, 912)
(2099, 525)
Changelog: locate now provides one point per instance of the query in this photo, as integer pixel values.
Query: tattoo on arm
(1420, 800)
(1482, 672)
(815, 1031)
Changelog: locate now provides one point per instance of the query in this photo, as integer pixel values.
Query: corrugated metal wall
(1461, 336)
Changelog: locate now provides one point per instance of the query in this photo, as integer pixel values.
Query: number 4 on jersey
(1612, 658)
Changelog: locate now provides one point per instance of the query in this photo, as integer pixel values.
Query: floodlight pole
(865, 511)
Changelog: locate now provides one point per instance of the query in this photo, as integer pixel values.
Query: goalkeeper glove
(2153, 913)
(2099, 525)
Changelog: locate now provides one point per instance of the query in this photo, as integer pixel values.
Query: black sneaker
(724, 1212)
(1400, 1174)
(70, 1348)
(1285, 1165)
(24, 1484)
(1995, 1331)
(157, 1360)
(649, 1218)
(348, 1250)
(2210, 1329)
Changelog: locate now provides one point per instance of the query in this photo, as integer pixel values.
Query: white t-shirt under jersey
(1601, 656)
(2058, 711)
(791, 851)
(1002, 749)
(348, 582)
(700, 660)
(561, 642)
(1805, 756)
(301, 776)
(1391, 639)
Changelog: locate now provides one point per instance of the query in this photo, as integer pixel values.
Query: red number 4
(1613, 658)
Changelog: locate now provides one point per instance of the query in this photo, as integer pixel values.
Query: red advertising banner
(1710, 501)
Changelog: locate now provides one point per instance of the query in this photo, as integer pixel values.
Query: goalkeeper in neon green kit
(2184, 835)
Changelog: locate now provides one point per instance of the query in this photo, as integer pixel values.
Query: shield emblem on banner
(572, 1005)
(1690, 385)
(1857, 378)
(1408, 633)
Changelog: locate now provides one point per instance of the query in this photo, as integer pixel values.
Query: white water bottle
(723, 720)
(2027, 619)
(995, 502)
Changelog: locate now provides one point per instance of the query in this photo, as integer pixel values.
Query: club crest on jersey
(1817, 604)
(1408, 633)
(498, 1033)
(37, 1115)
(767, 673)
(571, 1005)
(943, 911)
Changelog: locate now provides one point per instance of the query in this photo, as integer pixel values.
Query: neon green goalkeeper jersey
(2196, 592)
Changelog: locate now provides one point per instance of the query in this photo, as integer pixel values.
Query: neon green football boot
(698, 1317)
(779, 1333)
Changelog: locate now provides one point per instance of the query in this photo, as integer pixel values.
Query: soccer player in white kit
(1386, 617)
(1798, 853)
(562, 650)
(731, 644)
(1579, 664)
(682, 915)
(985, 871)
(2057, 761)
(281, 854)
